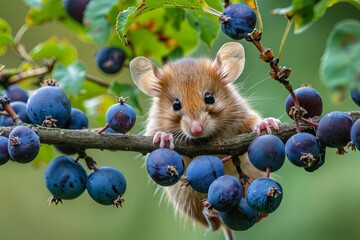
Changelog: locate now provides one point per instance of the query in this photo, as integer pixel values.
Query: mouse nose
(196, 129)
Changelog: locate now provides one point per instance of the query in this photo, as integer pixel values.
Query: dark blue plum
(24, 144)
(264, 195)
(334, 129)
(239, 218)
(202, 171)
(225, 193)
(267, 151)
(75, 9)
(110, 59)
(355, 134)
(302, 149)
(309, 99)
(65, 178)
(77, 120)
(106, 185)
(165, 166)
(238, 20)
(20, 109)
(4, 152)
(355, 95)
(16, 93)
(120, 116)
(49, 101)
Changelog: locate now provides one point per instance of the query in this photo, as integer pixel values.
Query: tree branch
(90, 139)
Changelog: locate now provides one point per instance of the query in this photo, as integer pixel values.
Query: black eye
(209, 98)
(176, 105)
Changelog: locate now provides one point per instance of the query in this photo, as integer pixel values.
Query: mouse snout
(196, 128)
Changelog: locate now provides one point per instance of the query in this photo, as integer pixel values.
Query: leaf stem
(286, 32)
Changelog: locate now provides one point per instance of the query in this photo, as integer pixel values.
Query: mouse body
(196, 98)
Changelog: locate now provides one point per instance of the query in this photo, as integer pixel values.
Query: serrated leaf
(130, 15)
(339, 68)
(95, 18)
(126, 90)
(305, 12)
(61, 49)
(154, 35)
(207, 26)
(49, 10)
(70, 77)
(5, 36)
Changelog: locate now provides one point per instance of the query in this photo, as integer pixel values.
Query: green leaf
(47, 11)
(130, 15)
(339, 69)
(99, 27)
(70, 77)
(305, 12)
(206, 25)
(5, 36)
(61, 49)
(126, 90)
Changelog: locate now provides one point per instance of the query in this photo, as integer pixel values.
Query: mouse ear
(144, 74)
(230, 61)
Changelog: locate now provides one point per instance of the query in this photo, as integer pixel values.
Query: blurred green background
(320, 205)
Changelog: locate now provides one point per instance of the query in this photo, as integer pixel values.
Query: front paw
(164, 137)
(267, 124)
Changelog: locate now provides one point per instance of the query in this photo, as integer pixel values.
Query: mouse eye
(176, 105)
(209, 98)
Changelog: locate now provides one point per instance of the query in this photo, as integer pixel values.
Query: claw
(163, 137)
(267, 124)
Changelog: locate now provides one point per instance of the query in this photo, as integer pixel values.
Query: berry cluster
(65, 177)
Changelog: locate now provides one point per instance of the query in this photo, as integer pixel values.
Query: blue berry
(302, 149)
(49, 101)
(4, 153)
(77, 120)
(110, 59)
(202, 171)
(75, 9)
(24, 144)
(264, 195)
(120, 116)
(106, 185)
(267, 151)
(334, 129)
(355, 95)
(165, 166)
(16, 93)
(65, 178)
(225, 193)
(309, 99)
(238, 20)
(239, 218)
(20, 109)
(355, 134)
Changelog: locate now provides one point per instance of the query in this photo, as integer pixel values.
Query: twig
(90, 139)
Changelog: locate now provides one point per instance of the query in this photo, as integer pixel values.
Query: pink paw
(163, 137)
(267, 124)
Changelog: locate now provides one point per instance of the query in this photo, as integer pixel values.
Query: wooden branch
(90, 139)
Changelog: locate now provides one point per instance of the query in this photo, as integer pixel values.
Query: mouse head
(194, 98)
